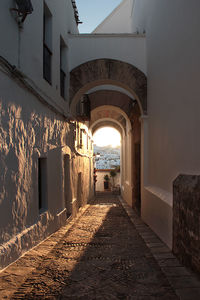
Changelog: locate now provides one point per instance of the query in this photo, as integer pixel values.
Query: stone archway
(107, 123)
(109, 114)
(108, 71)
(115, 152)
(113, 113)
(98, 73)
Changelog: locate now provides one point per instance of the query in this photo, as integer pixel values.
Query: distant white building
(107, 158)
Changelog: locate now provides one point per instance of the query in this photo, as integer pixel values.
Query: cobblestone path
(101, 255)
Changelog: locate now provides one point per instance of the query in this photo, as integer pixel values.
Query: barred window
(47, 45)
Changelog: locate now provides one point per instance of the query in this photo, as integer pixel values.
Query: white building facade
(43, 151)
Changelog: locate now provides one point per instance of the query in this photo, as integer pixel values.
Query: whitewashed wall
(119, 21)
(30, 128)
(86, 47)
(24, 48)
(173, 60)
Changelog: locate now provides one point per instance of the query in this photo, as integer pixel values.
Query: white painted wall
(119, 21)
(100, 180)
(30, 129)
(27, 133)
(173, 60)
(24, 48)
(86, 47)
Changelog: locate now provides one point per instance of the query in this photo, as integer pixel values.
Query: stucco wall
(29, 130)
(33, 125)
(119, 47)
(23, 48)
(112, 24)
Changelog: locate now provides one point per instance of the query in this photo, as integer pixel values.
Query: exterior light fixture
(83, 108)
(24, 8)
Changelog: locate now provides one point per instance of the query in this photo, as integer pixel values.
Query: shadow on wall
(27, 132)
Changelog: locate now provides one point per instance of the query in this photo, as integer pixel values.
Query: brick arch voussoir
(109, 69)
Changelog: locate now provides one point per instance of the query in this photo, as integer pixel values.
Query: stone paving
(107, 252)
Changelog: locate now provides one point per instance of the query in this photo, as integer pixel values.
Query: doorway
(67, 185)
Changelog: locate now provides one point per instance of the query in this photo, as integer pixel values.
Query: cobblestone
(107, 252)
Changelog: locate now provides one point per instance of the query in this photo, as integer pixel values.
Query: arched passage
(112, 113)
(105, 122)
(108, 71)
(114, 116)
(107, 136)
(94, 76)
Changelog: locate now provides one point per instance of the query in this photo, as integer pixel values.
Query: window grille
(47, 44)
(62, 83)
(81, 139)
(42, 183)
(47, 63)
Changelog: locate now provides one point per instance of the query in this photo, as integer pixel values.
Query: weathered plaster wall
(33, 125)
(29, 130)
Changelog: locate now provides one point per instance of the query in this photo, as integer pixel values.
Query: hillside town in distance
(107, 157)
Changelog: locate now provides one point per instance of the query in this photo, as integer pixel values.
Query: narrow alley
(106, 252)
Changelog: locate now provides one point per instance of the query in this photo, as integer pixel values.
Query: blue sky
(93, 12)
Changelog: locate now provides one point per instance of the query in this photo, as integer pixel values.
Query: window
(79, 190)
(81, 138)
(42, 183)
(77, 134)
(87, 141)
(63, 68)
(62, 83)
(47, 44)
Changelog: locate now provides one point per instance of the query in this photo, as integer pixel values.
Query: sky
(107, 136)
(93, 12)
